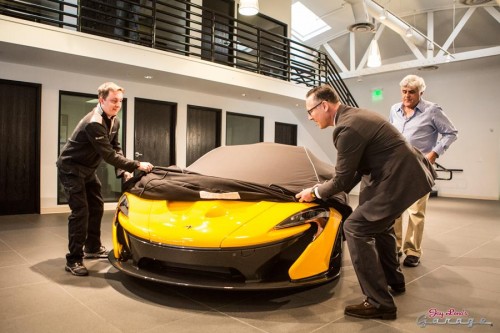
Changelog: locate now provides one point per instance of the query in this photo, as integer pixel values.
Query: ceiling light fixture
(374, 59)
(383, 15)
(406, 30)
(448, 58)
(249, 7)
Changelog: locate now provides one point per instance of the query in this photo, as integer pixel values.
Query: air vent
(362, 21)
(361, 27)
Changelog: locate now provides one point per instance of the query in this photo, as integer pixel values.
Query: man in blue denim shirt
(426, 127)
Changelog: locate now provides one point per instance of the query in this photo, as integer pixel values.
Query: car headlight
(316, 215)
(303, 217)
(123, 205)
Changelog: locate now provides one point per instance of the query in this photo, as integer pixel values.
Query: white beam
(414, 49)
(430, 35)
(456, 30)
(394, 22)
(352, 51)
(335, 57)
(487, 52)
(493, 12)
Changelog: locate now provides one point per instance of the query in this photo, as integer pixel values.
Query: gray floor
(460, 271)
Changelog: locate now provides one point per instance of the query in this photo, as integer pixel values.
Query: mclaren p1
(231, 221)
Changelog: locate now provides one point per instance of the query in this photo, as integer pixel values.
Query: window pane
(73, 107)
(243, 129)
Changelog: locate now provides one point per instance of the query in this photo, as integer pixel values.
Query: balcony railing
(188, 29)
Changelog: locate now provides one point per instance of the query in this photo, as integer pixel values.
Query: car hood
(211, 224)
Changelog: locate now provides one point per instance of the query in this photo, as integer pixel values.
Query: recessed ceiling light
(243, 94)
(148, 77)
(428, 68)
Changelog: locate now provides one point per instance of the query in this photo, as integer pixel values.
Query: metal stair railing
(189, 29)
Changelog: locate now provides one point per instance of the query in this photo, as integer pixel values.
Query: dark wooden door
(154, 139)
(217, 31)
(285, 133)
(203, 131)
(19, 148)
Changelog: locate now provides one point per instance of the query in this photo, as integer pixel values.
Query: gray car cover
(254, 172)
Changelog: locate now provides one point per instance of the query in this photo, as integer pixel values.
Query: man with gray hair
(427, 128)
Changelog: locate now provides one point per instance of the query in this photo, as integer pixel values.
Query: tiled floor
(460, 270)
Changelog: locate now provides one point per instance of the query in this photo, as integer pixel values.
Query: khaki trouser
(415, 232)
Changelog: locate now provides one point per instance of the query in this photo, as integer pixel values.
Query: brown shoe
(367, 311)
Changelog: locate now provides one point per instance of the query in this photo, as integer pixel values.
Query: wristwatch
(313, 192)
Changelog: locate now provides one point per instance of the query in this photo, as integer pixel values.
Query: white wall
(280, 10)
(467, 91)
(53, 81)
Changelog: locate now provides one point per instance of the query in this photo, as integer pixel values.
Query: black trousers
(87, 207)
(372, 245)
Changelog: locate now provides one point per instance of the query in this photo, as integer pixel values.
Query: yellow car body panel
(211, 223)
(320, 249)
(136, 221)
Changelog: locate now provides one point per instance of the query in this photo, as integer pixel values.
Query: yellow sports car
(231, 221)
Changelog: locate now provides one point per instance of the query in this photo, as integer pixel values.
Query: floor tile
(459, 270)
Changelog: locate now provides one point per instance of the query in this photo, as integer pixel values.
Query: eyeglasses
(314, 107)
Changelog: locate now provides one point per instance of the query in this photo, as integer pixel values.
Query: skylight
(306, 24)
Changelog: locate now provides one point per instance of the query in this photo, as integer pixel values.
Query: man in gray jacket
(94, 139)
(393, 175)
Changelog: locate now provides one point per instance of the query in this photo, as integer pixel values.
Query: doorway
(19, 147)
(154, 139)
(203, 131)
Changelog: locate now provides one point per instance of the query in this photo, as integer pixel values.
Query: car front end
(227, 244)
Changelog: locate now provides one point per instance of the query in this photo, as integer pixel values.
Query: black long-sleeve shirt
(94, 139)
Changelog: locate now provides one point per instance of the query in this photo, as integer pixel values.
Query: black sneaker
(397, 288)
(411, 261)
(76, 268)
(100, 253)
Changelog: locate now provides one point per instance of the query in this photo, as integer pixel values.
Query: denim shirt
(422, 129)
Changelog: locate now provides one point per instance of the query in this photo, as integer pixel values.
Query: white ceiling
(464, 31)
(479, 37)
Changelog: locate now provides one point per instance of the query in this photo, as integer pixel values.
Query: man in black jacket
(94, 139)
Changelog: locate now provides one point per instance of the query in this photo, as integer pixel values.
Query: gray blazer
(369, 148)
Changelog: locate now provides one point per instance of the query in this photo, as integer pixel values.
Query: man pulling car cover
(393, 175)
(94, 139)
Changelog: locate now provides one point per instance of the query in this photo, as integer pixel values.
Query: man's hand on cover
(305, 195)
(127, 176)
(145, 166)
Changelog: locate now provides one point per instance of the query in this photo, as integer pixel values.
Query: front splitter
(196, 282)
